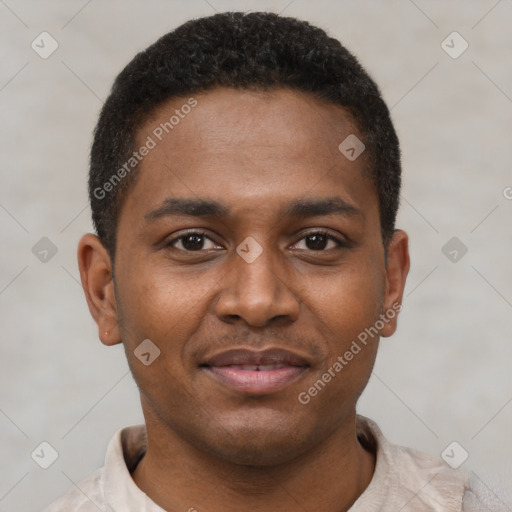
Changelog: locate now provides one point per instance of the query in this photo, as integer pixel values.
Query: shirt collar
(390, 483)
(124, 452)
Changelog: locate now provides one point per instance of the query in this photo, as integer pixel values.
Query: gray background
(445, 376)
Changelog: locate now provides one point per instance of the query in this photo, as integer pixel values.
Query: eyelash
(321, 232)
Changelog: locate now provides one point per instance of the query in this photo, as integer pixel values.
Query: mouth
(256, 372)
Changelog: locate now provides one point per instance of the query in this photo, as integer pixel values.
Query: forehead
(243, 146)
(280, 117)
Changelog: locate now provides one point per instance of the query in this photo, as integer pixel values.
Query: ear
(397, 268)
(97, 281)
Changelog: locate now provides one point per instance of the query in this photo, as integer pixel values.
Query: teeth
(257, 367)
(264, 367)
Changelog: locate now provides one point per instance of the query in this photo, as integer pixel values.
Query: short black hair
(257, 50)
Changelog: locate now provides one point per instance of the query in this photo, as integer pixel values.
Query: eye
(193, 241)
(196, 241)
(319, 241)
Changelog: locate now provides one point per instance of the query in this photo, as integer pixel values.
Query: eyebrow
(298, 208)
(192, 207)
(326, 206)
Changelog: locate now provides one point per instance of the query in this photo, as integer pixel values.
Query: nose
(257, 292)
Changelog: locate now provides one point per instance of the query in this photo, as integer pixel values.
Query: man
(244, 185)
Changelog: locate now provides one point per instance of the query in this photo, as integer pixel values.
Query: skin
(209, 446)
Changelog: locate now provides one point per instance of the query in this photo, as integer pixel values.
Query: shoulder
(411, 480)
(112, 484)
(86, 496)
(414, 481)
(430, 478)
(489, 496)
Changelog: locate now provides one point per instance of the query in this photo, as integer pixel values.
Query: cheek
(165, 310)
(347, 311)
(352, 299)
(155, 302)
(165, 307)
(346, 315)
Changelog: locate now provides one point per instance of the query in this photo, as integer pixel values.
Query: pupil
(318, 242)
(193, 242)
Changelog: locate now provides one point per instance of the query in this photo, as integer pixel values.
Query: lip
(256, 372)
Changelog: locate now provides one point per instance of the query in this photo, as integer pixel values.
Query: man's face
(241, 338)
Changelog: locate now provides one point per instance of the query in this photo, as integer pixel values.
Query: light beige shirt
(404, 480)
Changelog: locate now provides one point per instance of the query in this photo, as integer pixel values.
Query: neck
(330, 477)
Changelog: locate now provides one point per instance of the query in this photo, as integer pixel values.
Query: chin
(253, 443)
(257, 452)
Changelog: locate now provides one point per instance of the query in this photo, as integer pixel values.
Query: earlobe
(98, 285)
(397, 268)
